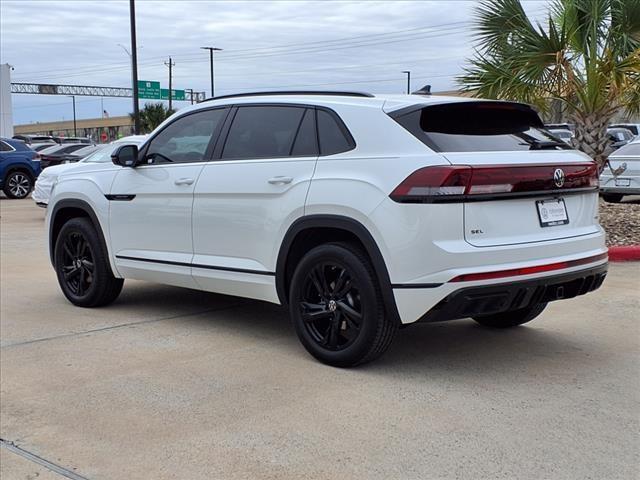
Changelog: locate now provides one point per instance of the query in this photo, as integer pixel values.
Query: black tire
(336, 307)
(612, 197)
(82, 267)
(18, 184)
(512, 318)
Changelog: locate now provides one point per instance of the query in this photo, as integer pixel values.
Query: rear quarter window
(333, 136)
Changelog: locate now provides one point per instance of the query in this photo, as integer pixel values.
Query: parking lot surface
(169, 383)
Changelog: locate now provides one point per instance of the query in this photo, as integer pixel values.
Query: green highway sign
(149, 89)
(175, 94)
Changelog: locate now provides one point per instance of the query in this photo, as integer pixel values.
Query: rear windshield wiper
(545, 144)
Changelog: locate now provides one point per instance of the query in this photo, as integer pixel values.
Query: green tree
(152, 115)
(585, 57)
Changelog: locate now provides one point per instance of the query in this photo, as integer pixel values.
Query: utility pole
(170, 64)
(211, 50)
(134, 67)
(408, 81)
(73, 97)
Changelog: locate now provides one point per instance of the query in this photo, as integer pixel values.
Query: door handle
(280, 180)
(184, 181)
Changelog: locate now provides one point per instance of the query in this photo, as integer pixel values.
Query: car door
(246, 198)
(151, 204)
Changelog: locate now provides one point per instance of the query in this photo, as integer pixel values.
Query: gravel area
(621, 221)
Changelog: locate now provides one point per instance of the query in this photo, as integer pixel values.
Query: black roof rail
(295, 92)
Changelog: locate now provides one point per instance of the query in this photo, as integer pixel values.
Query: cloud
(330, 44)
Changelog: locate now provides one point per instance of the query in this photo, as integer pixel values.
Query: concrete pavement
(169, 383)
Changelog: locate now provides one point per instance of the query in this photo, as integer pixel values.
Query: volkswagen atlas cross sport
(361, 213)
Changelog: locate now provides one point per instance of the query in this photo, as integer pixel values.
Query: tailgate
(541, 211)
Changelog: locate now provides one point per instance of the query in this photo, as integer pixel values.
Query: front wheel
(512, 318)
(17, 185)
(82, 267)
(336, 307)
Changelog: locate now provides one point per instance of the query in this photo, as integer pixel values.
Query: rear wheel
(336, 307)
(512, 318)
(17, 185)
(612, 197)
(81, 264)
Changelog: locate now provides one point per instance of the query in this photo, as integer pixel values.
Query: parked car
(58, 154)
(633, 127)
(85, 140)
(619, 136)
(625, 163)
(361, 213)
(563, 134)
(38, 147)
(30, 139)
(99, 158)
(19, 168)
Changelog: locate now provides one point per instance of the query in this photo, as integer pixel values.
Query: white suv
(361, 213)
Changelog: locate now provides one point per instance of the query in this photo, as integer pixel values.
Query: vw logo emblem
(558, 177)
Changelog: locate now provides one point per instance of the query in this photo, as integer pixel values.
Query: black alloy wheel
(330, 306)
(77, 263)
(336, 306)
(82, 265)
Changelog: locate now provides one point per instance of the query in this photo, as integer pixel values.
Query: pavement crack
(54, 467)
(122, 325)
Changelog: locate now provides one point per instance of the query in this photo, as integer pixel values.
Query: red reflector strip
(471, 277)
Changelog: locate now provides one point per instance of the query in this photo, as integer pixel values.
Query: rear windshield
(479, 127)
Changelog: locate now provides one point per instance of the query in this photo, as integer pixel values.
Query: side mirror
(125, 156)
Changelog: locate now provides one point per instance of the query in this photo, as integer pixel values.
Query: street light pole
(134, 68)
(408, 81)
(211, 50)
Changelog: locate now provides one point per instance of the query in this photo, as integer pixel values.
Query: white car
(361, 213)
(622, 176)
(99, 158)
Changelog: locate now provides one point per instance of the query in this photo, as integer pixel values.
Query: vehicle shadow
(458, 348)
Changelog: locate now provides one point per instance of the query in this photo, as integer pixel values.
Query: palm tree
(152, 115)
(586, 59)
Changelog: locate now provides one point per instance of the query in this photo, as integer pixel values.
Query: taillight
(468, 183)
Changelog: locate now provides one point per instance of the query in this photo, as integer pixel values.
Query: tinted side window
(4, 147)
(186, 139)
(334, 137)
(265, 131)
(306, 143)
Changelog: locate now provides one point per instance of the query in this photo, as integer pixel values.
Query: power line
(297, 45)
(292, 51)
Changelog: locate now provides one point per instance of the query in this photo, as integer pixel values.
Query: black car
(60, 154)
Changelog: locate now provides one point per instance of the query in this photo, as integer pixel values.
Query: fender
(342, 223)
(80, 205)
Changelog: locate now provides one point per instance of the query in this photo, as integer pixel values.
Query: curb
(624, 253)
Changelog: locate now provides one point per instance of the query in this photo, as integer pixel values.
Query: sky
(330, 44)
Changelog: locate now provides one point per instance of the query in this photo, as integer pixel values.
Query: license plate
(552, 212)
(623, 182)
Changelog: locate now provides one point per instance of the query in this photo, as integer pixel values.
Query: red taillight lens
(461, 182)
(433, 181)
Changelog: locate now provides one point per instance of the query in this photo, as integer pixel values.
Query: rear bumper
(492, 299)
